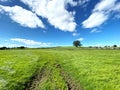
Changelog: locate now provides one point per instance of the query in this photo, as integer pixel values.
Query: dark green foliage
(114, 45)
(77, 43)
(21, 47)
(3, 48)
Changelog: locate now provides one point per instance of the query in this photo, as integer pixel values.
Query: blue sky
(38, 23)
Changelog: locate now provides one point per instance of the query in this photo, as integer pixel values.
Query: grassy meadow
(59, 69)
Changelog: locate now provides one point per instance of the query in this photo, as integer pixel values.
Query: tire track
(34, 83)
(45, 73)
(71, 84)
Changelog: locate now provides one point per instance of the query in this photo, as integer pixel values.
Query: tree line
(7, 48)
(77, 44)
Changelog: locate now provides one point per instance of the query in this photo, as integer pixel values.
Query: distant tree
(77, 43)
(90, 46)
(21, 47)
(105, 46)
(115, 46)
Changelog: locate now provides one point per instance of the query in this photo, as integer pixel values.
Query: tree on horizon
(77, 43)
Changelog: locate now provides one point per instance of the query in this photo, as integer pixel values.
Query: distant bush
(90, 47)
(114, 45)
(21, 47)
(3, 48)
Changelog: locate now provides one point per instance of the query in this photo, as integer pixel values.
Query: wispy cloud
(95, 31)
(22, 16)
(117, 7)
(117, 10)
(3, 0)
(10, 45)
(76, 34)
(80, 39)
(101, 13)
(30, 42)
(83, 3)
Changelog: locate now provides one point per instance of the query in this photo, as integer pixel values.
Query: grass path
(52, 77)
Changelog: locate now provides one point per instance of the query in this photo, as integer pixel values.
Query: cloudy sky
(37, 23)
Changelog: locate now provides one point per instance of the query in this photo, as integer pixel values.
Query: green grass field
(59, 69)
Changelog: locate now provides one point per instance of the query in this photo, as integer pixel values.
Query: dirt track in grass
(47, 72)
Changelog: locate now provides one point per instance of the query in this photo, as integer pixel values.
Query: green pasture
(88, 69)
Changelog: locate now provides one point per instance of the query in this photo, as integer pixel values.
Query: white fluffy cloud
(96, 19)
(105, 5)
(22, 16)
(30, 42)
(55, 11)
(100, 13)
